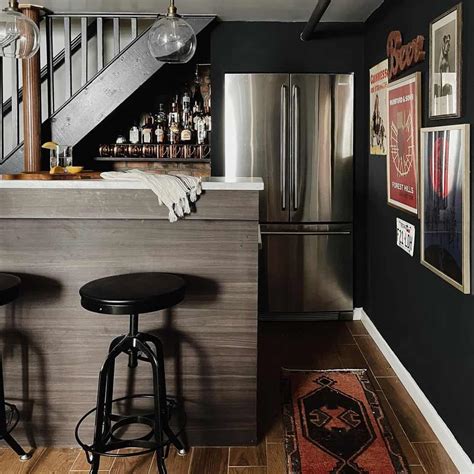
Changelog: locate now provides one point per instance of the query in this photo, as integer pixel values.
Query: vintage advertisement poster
(404, 124)
(445, 228)
(378, 108)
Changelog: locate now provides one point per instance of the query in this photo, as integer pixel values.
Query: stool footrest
(111, 443)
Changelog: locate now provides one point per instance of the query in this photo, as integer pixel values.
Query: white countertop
(214, 183)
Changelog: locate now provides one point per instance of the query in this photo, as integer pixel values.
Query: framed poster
(402, 162)
(445, 64)
(378, 108)
(445, 203)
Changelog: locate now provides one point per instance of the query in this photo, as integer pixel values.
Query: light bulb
(19, 36)
(171, 39)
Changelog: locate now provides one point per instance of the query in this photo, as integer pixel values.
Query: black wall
(428, 323)
(276, 47)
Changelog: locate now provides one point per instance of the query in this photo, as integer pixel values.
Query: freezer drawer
(306, 269)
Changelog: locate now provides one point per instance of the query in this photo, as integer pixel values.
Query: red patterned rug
(334, 424)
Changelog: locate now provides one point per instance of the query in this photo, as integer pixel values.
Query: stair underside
(104, 93)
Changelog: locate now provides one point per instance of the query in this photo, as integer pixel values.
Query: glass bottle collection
(182, 124)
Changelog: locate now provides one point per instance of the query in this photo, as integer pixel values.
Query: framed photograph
(378, 108)
(445, 64)
(403, 98)
(445, 203)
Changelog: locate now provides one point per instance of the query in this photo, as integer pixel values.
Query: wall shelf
(154, 160)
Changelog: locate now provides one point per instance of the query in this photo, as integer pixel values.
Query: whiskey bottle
(186, 102)
(174, 133)
(134, 134)
(173, 116)
(198, 99)
(201, 131)
(161, 125)
(148, 130)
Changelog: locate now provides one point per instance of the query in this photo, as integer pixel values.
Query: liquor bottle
(186, 133)
(161, 125)
(198, 100)
(186, 102)
(173, 116)
(174, 133)
(148, 130)
(201, 131)
(161, 116)
(134, 135)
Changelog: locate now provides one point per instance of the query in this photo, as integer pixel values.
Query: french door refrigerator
(296, 132)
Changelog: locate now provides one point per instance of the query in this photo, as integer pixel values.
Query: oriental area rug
(334, 424)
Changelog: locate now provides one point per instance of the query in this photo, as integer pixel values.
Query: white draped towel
(174, 191)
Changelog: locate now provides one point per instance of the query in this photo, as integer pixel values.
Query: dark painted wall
(428, 323)
(276, 47)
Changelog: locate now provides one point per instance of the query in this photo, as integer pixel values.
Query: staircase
(117, 44)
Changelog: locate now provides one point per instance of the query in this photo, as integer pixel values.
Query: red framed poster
(404, 124)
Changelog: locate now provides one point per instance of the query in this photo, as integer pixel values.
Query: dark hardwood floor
(309, 345)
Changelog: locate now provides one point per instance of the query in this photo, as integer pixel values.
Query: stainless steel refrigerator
(296, 132)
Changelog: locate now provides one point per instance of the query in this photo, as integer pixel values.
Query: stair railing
(103, 34)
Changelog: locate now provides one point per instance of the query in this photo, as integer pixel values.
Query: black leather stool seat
(133, 293)
(9, 288)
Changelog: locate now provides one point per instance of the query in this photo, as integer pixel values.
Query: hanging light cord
(172, 10)
(12, 6)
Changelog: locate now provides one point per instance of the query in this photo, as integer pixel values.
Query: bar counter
(58, 235)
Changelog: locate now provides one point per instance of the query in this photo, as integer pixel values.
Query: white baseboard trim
(441, 430)
(357, 314)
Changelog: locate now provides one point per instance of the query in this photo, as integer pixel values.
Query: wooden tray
(44, 175)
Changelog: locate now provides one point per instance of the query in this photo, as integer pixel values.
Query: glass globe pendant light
(171, 38)
(19, 36)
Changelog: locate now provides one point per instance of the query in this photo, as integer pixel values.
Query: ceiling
(245, 10)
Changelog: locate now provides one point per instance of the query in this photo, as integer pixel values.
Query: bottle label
(186, 135)
(147, 135)
(160, 135)
(134, 136)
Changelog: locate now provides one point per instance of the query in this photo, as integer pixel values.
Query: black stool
(9, 291)
(132, 294)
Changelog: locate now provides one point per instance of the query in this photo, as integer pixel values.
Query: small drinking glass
(61, 156)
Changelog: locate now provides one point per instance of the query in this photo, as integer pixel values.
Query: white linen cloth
(174, 191)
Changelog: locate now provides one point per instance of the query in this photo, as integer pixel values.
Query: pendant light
(171, 38)
(19, 36)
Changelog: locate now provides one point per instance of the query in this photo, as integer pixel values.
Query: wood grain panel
(434, 458)
(55, 461)
(405, 445)
(247, 470)
(276, 458)
(54, 348)
(411, 419)
(121, 204)
(379, 365)
(213, 460)
(10, 462)
(248, 455)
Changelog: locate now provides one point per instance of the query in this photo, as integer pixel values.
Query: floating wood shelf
(154, 160)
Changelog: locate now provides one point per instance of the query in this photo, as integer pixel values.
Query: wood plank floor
(308, 345)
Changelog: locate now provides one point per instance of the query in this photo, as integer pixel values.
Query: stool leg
(182, 451)
(3, 422)
(104, 385)
(160, 412)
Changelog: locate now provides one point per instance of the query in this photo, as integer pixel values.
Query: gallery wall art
(402, 159)
(378, 108)
(445, 64)
(445, 203)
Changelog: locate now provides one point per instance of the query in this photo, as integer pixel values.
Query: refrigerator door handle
(283, 144)
(296, 144)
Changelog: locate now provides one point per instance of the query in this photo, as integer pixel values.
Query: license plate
(405, 236)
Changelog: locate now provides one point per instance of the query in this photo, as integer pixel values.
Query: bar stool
(9, 291)
(132, 294)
